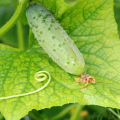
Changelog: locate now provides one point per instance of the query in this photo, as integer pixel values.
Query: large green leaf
(92, 25)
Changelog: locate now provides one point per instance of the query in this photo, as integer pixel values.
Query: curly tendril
(39, 76)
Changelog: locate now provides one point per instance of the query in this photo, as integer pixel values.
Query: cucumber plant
(91, 24)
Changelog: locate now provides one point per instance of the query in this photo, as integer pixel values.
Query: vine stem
(14, 18)
(31, 38)
(64, 112)
(21, 44)
(112, 111)
(76, 114)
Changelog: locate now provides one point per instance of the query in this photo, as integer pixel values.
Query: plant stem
(14, 18)
(65, 111)
(112, 111)
(31, 38)
(76, 114)
(21, 44)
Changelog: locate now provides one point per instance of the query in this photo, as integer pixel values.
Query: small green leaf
(92, 26)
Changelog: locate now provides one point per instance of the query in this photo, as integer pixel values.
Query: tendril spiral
(39, 76)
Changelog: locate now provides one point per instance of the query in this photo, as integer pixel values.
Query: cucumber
(54, 40)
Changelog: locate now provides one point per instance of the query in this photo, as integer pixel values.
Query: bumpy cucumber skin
(54, 40)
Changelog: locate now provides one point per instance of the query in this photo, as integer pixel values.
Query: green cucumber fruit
(54, 40)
